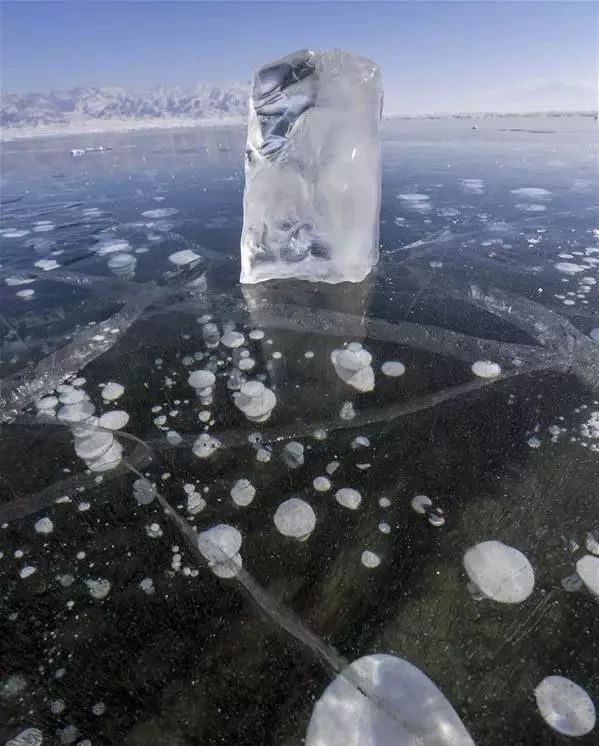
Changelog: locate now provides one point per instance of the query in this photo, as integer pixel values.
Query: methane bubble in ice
(255, 401)
(500, 572)
(382, 700)
(114, 420)
(220, 547)
(486, 369)
(588, 571)
(44, 526)
(532, 192)
(27, 737)
(594, 335)
(232, 339)
(565, 706)
(163, 212)
(421, 503)
(393, 369)
(293, 454)
(26, 294)
(98, 589)
(112, 391)
(205, 445)
(143, 491)
(349, 498)
(352, 365)
(312, 169)
(243, 492)
(181, 258)
(321, 484)
(370, 559)
(295, 518)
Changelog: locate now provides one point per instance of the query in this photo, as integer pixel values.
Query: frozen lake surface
(290, 513)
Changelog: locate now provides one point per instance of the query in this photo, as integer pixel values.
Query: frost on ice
(313, 173)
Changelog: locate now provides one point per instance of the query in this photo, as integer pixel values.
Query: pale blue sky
(435, 56)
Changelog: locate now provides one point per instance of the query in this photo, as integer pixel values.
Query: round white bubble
(565, 706)
(393, 369)
(349, 498)
(500, 572)
(295, 518)
(486, 369)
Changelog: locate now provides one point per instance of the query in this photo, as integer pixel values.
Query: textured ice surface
(313, 174)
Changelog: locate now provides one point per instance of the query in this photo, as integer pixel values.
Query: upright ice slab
(313, 170)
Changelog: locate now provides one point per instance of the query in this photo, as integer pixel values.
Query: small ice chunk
(393, 369)
(99, 588)
(44, 526)
(349, 498)
(112, 391)
(486, 369)
(565, 706)
(243, 492)
(500, 572)
(181, 258)
(205, 445)
(313, 169)
(115, 420)
(293, 455)
(370, 559)
(27, 737)
(352, 365)
(295, 518)
(321, 484)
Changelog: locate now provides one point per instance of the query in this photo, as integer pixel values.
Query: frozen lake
(435, 516)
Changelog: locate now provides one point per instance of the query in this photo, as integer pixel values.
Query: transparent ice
(313, 171)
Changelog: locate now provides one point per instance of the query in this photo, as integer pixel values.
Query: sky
(446, 56)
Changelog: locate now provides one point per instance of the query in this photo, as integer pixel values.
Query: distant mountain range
(104, 109)
(98, 109)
